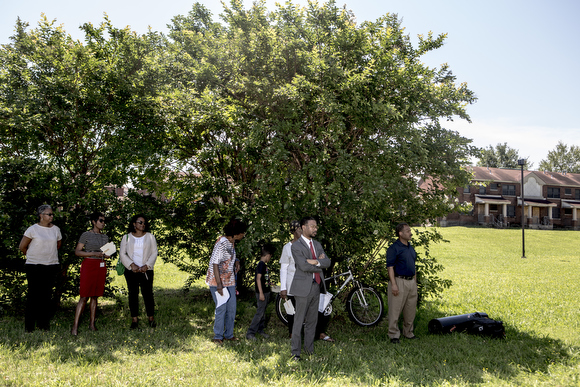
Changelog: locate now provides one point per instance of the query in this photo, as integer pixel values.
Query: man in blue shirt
(402, 289)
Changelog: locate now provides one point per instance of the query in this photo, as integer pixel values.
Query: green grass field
(537, 298)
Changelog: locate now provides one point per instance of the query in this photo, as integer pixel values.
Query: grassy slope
(537, 298)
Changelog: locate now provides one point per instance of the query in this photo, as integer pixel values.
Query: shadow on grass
(360, 355)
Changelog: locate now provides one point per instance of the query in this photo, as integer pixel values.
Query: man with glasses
(308, 283)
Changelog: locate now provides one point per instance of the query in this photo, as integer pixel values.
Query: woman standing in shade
(40, 244)
(138, 254)
(93, 269)
(221, 278)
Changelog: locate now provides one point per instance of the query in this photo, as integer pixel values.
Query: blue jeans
(223, 326)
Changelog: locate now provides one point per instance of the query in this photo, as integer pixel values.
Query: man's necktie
(316, 275)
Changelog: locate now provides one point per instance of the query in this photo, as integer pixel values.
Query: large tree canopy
(302, 111)
(268, 116)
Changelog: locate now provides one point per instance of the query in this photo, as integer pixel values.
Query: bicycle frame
(363, 304)
(348, 280)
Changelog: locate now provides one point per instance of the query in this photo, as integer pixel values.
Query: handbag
(120, 267)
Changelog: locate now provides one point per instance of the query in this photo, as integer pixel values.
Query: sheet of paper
(109, 248)
(222, 299)
(289, 307)
(324, 300)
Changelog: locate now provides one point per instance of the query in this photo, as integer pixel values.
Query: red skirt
(93, 277)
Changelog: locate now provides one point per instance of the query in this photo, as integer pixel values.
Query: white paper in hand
(324, 300)
(289, 307)
(109, 249)
(222, 299)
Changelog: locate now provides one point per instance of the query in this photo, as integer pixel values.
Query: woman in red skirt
(93, 269)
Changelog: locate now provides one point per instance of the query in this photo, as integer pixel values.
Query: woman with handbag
(138, 254)
(93, 269)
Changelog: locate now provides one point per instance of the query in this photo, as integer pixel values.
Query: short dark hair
(294, 225)
(235, 227)
(268, 248)
(134, 219)
(95, 216)
(400, 228)
(305, 220)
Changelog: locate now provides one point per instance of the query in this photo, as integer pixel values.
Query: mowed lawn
(537, 298)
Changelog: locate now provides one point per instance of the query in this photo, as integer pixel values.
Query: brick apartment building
(551, 199)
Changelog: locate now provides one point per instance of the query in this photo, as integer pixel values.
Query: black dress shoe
(152, 324)
(411, 338)
(134, 324)
(395, 341)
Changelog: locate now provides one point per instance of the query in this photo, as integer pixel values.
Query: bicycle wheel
(365, 306)
(280, 310)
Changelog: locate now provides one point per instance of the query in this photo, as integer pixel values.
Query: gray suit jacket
(303, 276)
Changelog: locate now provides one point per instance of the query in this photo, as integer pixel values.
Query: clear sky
(520, 57)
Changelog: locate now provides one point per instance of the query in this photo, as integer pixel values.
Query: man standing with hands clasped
(402, 287)
(307, 285)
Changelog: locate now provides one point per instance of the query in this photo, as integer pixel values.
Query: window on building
(567, 211)
(577, 197)
(511, 211)
(493, 207)
(493, 186)
(555, 213)
(553, 193)
(508, 189)
(466, 189)
(482, 190)
(568, 191)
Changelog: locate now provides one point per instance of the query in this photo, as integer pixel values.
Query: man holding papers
(221, 279)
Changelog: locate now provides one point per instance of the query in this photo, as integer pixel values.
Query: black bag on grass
(473, 323)
(487, 327)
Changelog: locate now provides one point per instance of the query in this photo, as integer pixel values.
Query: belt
(405, 277)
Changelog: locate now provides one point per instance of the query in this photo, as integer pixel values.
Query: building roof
(491, 199)
(500, 175)
(555, 178)
(570, 204)
(505, 175)
(537, 202)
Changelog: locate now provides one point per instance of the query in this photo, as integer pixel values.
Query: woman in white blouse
(40, 244)
(138, 254)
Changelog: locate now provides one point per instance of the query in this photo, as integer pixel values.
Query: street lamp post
(521, 163)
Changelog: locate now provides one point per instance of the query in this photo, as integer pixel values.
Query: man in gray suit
(307, 285)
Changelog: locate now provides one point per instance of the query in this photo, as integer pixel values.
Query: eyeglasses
(140, 222)
(51, 214)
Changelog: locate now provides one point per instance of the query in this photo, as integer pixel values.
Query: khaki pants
(405, 302)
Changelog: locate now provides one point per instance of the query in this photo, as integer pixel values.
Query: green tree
(502, 156)
(302, 111)
(562, 159)
(81, 117)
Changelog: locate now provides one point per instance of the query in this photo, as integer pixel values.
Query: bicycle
(364, 304)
